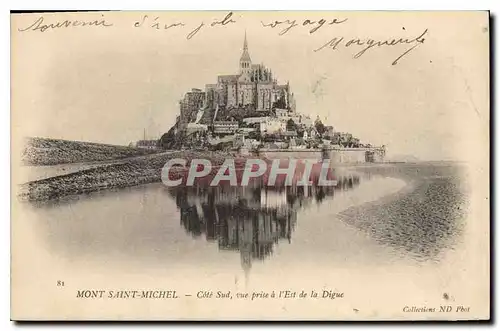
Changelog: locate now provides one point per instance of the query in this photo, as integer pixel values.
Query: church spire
(245, 56)
(245, 44)
(245, 61)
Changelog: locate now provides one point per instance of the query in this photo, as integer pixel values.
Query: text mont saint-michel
(126, 294)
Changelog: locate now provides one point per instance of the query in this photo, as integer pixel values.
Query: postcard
(250, 165)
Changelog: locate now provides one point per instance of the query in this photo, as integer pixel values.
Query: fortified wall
(336, 155)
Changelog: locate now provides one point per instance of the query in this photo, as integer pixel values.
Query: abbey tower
(254, 86)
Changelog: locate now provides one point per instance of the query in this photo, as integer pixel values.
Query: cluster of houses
(282, 129)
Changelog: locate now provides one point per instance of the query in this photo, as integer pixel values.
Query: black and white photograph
(250, 165)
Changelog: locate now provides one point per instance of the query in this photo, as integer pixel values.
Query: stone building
(225, 127)
(254, 86)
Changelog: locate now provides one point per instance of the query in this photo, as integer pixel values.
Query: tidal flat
(424, 217)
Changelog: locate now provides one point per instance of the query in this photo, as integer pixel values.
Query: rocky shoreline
(130, 172)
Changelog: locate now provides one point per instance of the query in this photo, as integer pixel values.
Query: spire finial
(245, 57)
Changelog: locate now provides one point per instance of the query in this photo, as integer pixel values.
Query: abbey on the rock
(254, 86)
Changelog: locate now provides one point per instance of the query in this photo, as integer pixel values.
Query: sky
(109, 84)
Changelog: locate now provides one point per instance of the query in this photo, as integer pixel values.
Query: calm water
(204, 225)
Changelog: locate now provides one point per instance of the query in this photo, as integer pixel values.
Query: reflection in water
(250, 220)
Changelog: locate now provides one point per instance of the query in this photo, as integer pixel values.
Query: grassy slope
(44, 151)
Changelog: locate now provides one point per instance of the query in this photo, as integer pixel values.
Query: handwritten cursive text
(289, 24)
(368, 44)
(39, 25)
(155, 24)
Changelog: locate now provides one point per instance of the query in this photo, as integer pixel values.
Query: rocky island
(252, 112)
